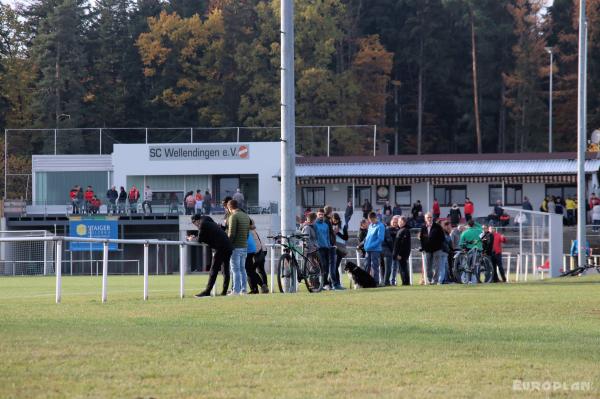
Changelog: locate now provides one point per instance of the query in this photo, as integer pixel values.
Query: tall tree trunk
(475, 88)
(502, 119)
(420, 101)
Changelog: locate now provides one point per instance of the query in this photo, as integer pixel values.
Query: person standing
(397, 211)
(526, 204)
(447, 250)
(455, 215)
(469, 209)
(122, 200)
(340, 238)
(432, 241)
(373, 246)
(207, 204)
(390, 262)
(499, 239)
(327, 251)
(147, 199)
(134, 196)
(88, 196)
(348, 212)
(571, 210)
(238, 225)
(189, 203)
(366, 208)
(362, 234)
(211, 234)
(253, 278)
(239, 197)
(112, 195)
(402, 248)
(198, 202)
(387, 207)
(436, 210)
(259, 258)
(417, 208)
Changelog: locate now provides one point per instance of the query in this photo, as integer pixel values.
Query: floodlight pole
(581, 136)
(288, 121)
(549, 50)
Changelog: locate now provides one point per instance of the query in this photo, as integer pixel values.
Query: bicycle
(480, 266)
(290, 272)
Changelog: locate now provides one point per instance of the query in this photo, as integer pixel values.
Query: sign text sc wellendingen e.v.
(196, 152)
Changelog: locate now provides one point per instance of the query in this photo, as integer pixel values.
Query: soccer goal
(29, 257)
(537, 240)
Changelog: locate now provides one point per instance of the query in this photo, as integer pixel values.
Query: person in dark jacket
(213, 235)
(122, 200)
(455, 215)
(402, 250)
(348, 213)
(366, 208)
(362, 234)
(417, 208)
(112, 195)
(390, 263)
(432, 239)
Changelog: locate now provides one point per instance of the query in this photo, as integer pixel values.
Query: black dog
(361, 278)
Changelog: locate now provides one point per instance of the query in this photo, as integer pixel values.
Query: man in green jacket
(238, 225)
(469, 239)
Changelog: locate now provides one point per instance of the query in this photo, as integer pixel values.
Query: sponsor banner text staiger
(198, 152)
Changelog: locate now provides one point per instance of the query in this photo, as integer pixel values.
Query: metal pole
(288, 120)
(328, 138)
(182, 266)
(58, 268)
(146, 247)
(520, 260)
(550, 101)
(238, 134)
(191, 135)
(503, 194)
(146, 135)
(104, 270)
(374, 140)
(272, 248)
(100, 141)
(55, 134)
(45, 258)
(581, 135)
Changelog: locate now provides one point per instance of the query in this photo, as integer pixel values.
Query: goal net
(27, 257)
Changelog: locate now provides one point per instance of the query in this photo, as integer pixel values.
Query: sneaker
(203, 294)
(326, 287)
(233, 294)
(339, 288)
(264, 289)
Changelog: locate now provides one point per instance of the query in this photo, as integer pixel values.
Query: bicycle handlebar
(280, 236)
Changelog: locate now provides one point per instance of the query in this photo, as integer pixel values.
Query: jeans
(388, 262)
(432, 264)
(133, 206)
(121, 207)
(442, 275)
(394, 271)
(327, 257)
(238, 270)
(112, 207)
(149, 203)
(372, 264)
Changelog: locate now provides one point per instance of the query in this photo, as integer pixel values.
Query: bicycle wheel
(485, 272)
(287, 271)
(312, 274)
(459, 267)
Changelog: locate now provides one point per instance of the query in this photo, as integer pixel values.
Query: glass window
(227, 185)
(313, 197)
(513, 194)
(448, 195)
(52, 188)
(361, 193)
(403, 196)
(557, 190)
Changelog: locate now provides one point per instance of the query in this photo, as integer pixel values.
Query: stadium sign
(198, 152)
(93, 227)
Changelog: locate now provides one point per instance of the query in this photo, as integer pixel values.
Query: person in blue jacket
(373, 246)
(326, 247)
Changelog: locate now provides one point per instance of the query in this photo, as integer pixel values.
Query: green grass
(448, 341)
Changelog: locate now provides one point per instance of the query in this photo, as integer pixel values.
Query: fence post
(45, 257)
(146, 135)
(100, 141)
(55, 138)
(526, 266)
(424, 269)
(58, 268)
(410, 268)
(191, 135)
(238, 134)
(146, 247)
(272, 269)
(374, 140)
(328, 139)
(182, 266)
(508, 261)
(104, 270)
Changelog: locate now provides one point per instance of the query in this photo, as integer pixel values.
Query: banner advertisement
(93, 227)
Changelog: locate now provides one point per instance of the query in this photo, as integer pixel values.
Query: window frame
(357, 189)
(448, 194)
(506, 187)
(403, 188)
(312, 189)
(562, 189)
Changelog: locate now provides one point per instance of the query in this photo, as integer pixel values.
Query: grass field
(435, 341)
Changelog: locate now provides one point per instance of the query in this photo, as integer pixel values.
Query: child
(311, 240)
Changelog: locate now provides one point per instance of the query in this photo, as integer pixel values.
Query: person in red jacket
(134, 196)
(88, 196)
(95, 205)
(73, 197)
(469, 209)
(499, 239)
(436, 210)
